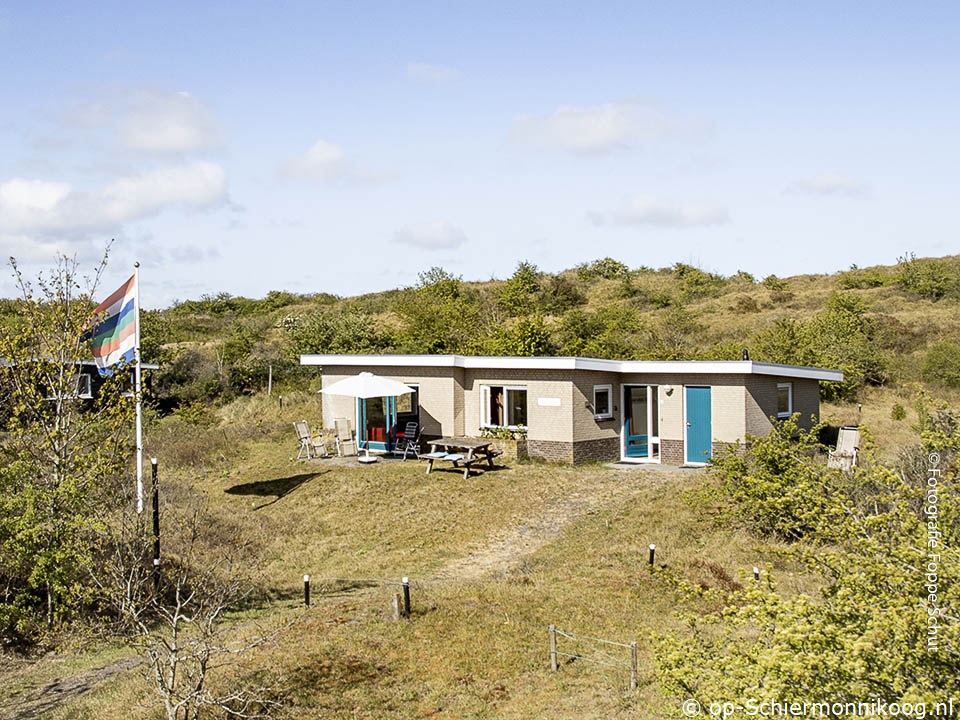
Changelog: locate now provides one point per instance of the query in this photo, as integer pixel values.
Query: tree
(520, 295)
(63, 456)
(842, 336)
(527, 336)
(442, 316)
(888, 561)
(183, 630)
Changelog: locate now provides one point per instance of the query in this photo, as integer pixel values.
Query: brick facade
(562, 424)
(671, 452)
(601, 450)
(552, 450)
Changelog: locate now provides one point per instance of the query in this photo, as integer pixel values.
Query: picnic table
(460, 450)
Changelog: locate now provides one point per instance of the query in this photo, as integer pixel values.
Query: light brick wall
(553, 423)
(438, 396)
(450, 404)
(762, 402)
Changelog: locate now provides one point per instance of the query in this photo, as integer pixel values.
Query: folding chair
(310, 445)
(409, 441)
(344, 437)
(848, 446)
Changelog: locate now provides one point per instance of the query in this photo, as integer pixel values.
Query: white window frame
(789, 388)
(485, 421)
(597, 413)
(84, 391)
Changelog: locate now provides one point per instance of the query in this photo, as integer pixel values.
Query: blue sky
(345, 147)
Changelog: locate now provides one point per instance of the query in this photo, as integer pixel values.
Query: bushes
(929, 278)
(866, 633)
(942, 364)
(842, 336)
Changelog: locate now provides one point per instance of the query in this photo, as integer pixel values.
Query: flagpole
(136, 386)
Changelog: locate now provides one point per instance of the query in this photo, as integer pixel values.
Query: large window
(784, 400)
(504, 405)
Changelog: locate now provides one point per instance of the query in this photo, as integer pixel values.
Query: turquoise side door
(376, 418)
(699, 436)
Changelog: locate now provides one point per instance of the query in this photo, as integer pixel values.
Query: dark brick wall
(671, 452)
(553, 450)
(602, 450)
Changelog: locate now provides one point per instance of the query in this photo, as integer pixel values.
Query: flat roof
(653, 367)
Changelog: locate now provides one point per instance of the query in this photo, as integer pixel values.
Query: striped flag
(114, 339)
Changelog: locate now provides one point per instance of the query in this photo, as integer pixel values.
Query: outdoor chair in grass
(345, 437)
(408, 442)
(311, 445)
(848, 446)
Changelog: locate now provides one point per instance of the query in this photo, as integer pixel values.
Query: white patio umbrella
(365, 386)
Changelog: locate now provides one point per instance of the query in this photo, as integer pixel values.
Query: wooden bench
(455, 458)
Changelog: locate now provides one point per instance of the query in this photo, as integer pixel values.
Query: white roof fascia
(650, 367)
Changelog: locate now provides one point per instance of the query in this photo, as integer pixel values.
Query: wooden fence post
(406, 596)
(653, 550)
(553, 648)
(306, 590)
(633, 665)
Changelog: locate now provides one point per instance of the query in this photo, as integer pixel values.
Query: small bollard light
(653, 550)
(306, 590)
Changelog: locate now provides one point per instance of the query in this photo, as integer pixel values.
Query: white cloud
(439, 235)
(646, 210)
(150, 121)
(327, 164)
(601, 128)
(167, 122)
(36, 207)
(323, 162)
(429, 72)
(827, 185)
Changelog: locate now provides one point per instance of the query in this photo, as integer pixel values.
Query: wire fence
(587, 649)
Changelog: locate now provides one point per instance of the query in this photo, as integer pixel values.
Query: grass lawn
(493, 561)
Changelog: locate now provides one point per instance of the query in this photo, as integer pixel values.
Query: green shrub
(930, 279)
(607, 268)
(942, 364)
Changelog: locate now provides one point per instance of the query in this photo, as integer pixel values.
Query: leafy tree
(842, 336)
(930, 279)
(63, 457)
(866, 633)
(528, 336)
(520, 295)
(614, 331)
(182, 630)
(942, 364)
(696, 282)
(442, 316)
(606, 268)
(352, 331)
(561, 295)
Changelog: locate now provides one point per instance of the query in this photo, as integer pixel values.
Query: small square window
(602, 402)
(784, 400)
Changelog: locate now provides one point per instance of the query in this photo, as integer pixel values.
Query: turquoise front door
(699, 436)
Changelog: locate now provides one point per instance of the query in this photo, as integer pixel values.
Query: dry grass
(493, 560)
